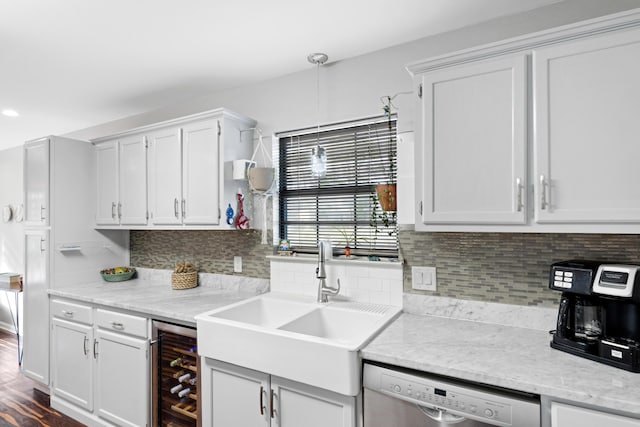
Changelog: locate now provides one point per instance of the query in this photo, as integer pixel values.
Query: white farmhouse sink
(294, 337)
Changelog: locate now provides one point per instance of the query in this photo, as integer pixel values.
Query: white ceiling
(70, 64)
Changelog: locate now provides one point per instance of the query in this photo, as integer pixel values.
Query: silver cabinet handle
(84, 345)
(273, 411)
(42, 216)
(262, 407)
(519, 188)
(117, 325)
(113, 210)
(43, 247)
(184, 208)
(67, 313)
(95, 349)
(175, 207)
(119, 210)
(543, 193)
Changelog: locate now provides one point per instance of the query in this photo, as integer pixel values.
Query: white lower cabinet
(71, 373)
(236, 396)
(571, 416)
(99, 365)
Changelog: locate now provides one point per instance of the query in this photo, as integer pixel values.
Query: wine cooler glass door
(176, 400)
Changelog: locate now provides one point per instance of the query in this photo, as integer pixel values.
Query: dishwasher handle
(440, 415)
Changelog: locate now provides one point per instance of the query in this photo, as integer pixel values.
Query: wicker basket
(184, 280)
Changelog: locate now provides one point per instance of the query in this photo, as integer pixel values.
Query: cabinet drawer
(120, 322)
(71, 311)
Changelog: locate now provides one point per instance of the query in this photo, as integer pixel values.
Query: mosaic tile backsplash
(509, 268)
(210, 251)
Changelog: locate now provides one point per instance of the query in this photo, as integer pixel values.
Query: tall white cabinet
(175, 174)
(61, 246)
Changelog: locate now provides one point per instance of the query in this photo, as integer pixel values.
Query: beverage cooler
(176, 397)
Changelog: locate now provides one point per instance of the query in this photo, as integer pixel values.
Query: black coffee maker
(599, 313)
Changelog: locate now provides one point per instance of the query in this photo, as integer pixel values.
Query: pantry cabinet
(36, 183)
(184, 177)
(587, 106)
(100, 365)
(234, 395)
(488, 158)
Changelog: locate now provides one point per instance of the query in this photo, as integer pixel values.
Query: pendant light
(318, 153)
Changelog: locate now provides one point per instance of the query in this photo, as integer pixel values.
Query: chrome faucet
(321, 275)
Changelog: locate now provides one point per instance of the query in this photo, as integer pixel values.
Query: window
(339, 207)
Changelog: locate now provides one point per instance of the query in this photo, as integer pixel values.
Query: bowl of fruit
(118, 274)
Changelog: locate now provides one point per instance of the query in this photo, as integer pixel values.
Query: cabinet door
(474, 143)
(107, 180)
(35, 363)
(122, 378)
(234, 396)
(132, 209)
(572, 416)
(165, 177)
(297, 405)
(587, 104)
(202, 173)
(71, 362)
(36, 182)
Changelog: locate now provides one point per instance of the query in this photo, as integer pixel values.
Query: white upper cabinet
(587, 132)
(488, 157)
(107, 183)
(173, 174)
(36, 182)
(165, 177)
(474, 143)
(132, 170)
(121, 194)
(201, 169)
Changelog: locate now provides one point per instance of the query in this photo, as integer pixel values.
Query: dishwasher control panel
(441, 396)
(437, 396)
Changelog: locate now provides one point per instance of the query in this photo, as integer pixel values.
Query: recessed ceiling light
(10, 113)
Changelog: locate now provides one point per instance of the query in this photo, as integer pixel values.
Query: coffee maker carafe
(599, 312)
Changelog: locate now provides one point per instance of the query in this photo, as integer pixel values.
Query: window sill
(363, 261)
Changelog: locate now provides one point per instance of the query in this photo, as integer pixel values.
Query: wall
(11, 233)
(352, 89)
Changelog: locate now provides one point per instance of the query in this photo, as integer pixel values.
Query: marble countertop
(152, 295)
(504, 356)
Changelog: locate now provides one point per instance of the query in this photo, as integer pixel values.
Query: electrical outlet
(423, 278)
(237, 264)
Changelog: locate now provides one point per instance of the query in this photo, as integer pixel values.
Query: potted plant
(348, 238)
(386, 192)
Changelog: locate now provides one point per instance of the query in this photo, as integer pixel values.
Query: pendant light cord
(318, 103)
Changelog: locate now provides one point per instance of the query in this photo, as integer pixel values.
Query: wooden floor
(20, 404)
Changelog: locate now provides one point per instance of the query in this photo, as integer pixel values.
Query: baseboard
(7, 327)
(78, 414)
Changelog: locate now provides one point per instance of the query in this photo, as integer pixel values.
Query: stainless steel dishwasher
(395, 397)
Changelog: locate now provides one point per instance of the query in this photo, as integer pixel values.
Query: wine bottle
(176, 362)
(176, 389)
(193, 380)
(184, 392)
(184, 378)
